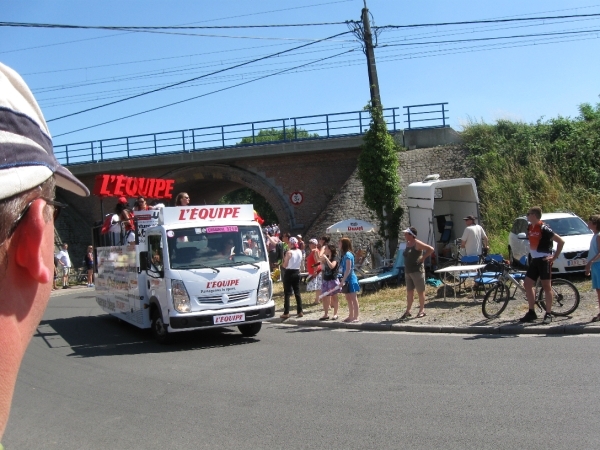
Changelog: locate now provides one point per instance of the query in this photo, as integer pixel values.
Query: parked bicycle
(565, 302)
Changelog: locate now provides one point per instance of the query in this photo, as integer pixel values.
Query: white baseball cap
(26, 153)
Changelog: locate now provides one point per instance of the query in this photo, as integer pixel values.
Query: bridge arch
(208, 183)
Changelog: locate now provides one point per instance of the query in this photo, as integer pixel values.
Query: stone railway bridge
(324, 171)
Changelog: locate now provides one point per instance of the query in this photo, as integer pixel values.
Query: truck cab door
(155, 274)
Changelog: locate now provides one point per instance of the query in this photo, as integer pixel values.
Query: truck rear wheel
(159, 329)
(250, 329)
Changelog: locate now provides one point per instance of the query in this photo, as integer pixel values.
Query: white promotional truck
(190, 267)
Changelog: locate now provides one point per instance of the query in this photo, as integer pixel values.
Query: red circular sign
(296, 198)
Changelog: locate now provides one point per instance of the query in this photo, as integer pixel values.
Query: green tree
(276, 135)
(378, 171)
(245, 196)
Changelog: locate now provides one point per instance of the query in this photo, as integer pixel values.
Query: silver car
(569, 226)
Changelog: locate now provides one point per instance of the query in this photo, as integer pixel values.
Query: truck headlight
(265, 289)
(181, 299)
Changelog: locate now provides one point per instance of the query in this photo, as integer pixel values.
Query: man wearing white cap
(29, 173)
(474, 240)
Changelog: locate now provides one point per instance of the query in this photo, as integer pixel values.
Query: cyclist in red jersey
(541, 238)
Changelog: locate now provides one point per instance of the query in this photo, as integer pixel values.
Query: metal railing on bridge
(324, 126)
(430, 112)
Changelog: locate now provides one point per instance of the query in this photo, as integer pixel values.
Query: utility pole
(367, 38)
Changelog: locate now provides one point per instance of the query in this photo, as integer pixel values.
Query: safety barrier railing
(430, 112)
(325, 126)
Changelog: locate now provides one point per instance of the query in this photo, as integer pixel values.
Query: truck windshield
(215, 246)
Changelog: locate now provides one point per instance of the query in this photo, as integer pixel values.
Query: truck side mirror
(144, 261)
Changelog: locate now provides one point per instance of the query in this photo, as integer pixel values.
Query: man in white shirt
(65, 263)
(474, 239)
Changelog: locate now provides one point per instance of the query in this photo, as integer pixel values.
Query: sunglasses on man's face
(58, 207)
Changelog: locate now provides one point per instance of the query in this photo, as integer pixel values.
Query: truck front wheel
(250, 329)
(159, 329)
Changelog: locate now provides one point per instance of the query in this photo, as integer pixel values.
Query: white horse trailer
(436, 208)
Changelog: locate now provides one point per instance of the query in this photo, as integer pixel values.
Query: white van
(190, 267)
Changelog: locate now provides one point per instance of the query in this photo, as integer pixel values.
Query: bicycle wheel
(565, 297)
(495, 300)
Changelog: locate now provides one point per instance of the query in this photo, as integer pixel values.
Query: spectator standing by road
(313, 266)
(331, 283)
(415, 253)
(474, 240)
(541, 238)
(65, 264)
(349, 282)
(29, 172)
(89, 265)
(593, 265)
(291, 279)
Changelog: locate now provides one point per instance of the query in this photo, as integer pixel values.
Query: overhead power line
(201, 27)
(198, 77)
(471, 22)
(490, 38)
(206, 94)
(176, 27)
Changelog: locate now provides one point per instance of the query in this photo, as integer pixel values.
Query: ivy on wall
(378, 171)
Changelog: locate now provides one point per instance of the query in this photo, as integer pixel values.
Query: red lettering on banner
(104, 189)
(169, 189)
(150, 189)
(236, 212)
(120, 185)
(131, 187)
(194, 214)
(142, 187)
(159, 190)
(203, 214)
(212, 213)
(182, 214)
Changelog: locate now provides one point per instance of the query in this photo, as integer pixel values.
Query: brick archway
(208, 183)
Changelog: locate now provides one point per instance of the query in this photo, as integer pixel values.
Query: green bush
(554, 164)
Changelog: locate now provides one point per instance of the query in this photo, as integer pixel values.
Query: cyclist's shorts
(539, 268)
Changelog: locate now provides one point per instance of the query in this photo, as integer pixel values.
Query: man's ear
(29, 241)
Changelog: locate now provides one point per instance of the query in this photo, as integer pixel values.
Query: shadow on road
(105, 335)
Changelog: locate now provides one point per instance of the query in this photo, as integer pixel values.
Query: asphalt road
(90, 382)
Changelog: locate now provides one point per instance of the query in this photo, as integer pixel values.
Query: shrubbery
(553, 163)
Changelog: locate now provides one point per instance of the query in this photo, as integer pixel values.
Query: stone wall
(415, 165)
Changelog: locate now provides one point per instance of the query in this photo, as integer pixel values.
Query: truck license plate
(229, 318)
(577, 262)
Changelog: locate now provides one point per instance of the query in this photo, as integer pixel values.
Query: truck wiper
(241, 263)
(197, 266)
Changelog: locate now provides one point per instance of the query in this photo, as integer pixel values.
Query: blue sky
(71, 70)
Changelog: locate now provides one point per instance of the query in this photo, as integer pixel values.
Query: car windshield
(568, 226)
(217, 246)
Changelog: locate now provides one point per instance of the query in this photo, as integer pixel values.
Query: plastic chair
(447, 233)
(490, 273)
(464, 276)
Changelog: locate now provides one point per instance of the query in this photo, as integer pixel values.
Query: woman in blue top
(593, 266)
(349, 277)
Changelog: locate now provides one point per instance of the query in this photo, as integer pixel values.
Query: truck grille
(216, 299)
